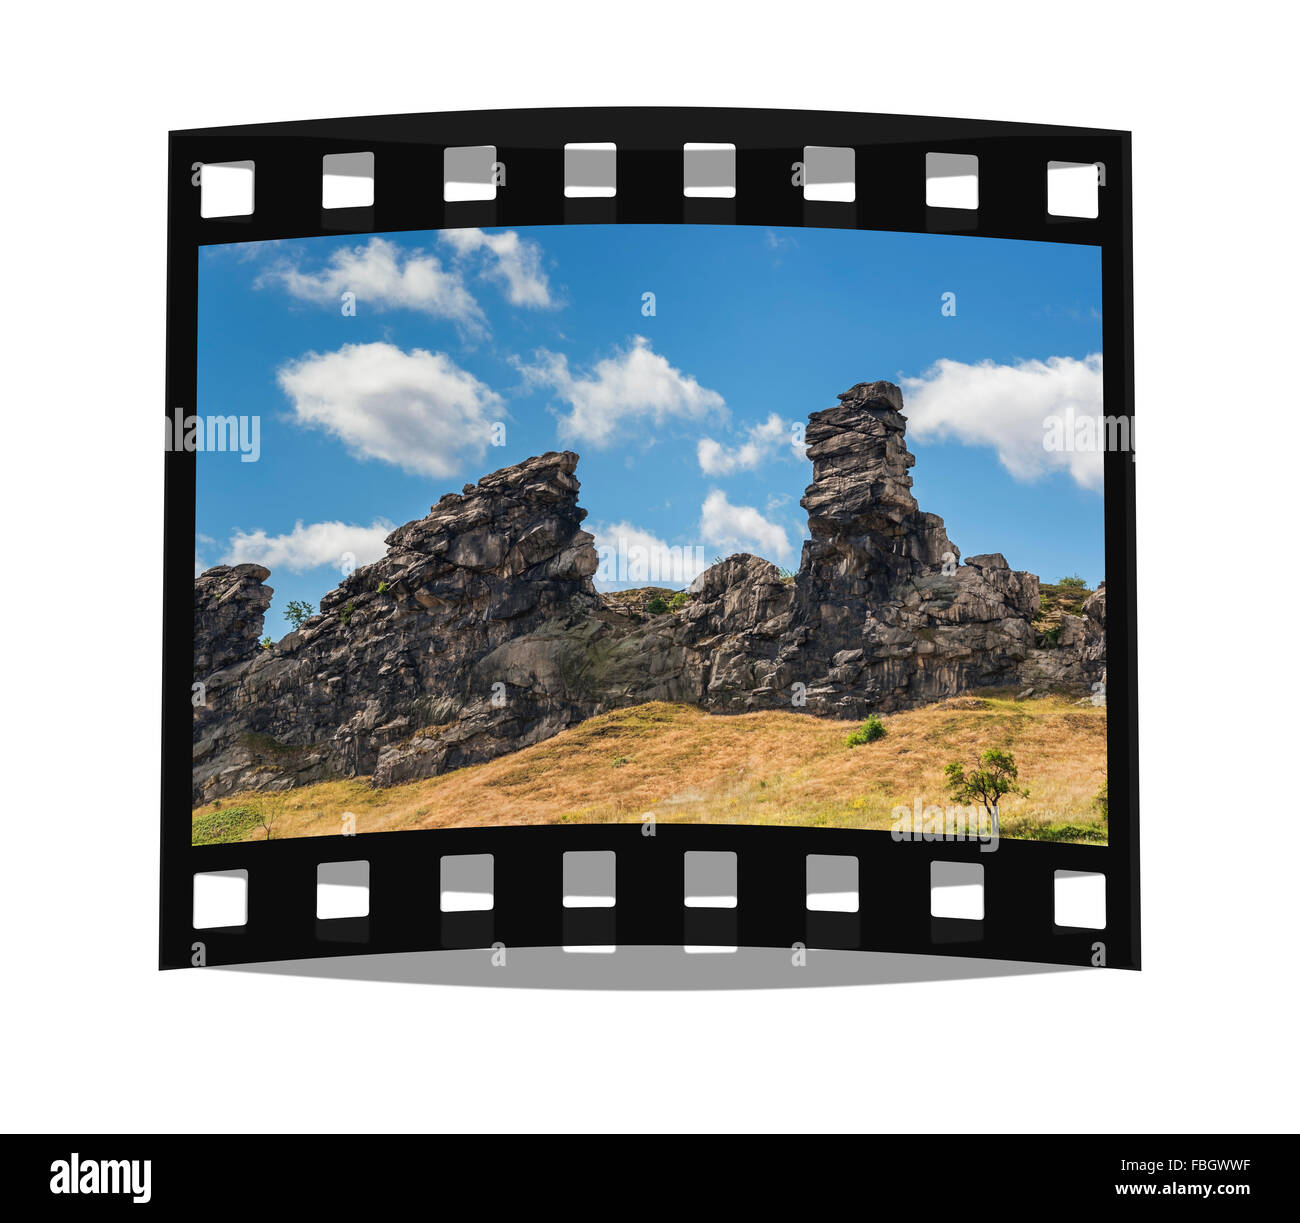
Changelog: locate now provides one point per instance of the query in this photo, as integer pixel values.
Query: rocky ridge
(480, 631)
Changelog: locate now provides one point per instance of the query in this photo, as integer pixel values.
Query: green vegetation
(1065, 598)
(383, 586)
(1027, 828)
(265, 643)
(225, 825)
(994, 777)
(298, 613)
(345, 616)
(679, 600)
(870, 730)
(1073, 583)
(1102, 801)
(657, 606)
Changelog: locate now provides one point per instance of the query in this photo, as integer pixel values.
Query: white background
(94, 1037)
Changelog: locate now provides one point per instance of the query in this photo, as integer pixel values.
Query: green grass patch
(1026, 828)
(224, 826)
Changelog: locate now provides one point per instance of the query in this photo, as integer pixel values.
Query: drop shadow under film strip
(899, 892)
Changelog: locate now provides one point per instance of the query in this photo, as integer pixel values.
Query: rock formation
(480, 631)
(229, 606)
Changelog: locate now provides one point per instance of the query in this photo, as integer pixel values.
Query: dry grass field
(688, 766)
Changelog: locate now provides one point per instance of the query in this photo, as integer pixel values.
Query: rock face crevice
(481, 632)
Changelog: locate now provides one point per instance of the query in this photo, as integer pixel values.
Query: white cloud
(383, 276)
(1005, 407)
(514, 261)
(717, 459)
(741, 528)
(636, 385)
(417, 410)
(631, 556)
(306, 547)
(204, 541)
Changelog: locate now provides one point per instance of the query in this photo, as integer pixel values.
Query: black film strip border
(771, 909)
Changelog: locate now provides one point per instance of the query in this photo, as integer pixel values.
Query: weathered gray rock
(1077, 655)
(229, 606)
(378, 666)
(480, 631)
(883, 603)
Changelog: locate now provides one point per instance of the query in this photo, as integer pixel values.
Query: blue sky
(683, 418)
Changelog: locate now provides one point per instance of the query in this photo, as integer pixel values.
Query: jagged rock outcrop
(230, 604)
(480, 631)
(1076, 652)
(868, 533)
(1094, 613)
(393, 651)
(881, 598)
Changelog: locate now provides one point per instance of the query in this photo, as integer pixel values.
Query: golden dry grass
(688, 766)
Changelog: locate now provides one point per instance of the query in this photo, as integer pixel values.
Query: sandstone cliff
(480, 631)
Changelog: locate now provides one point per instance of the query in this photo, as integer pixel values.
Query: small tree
(298, 613)
(1073, 583)
(270, 806)
(994, 776)
(657, 606)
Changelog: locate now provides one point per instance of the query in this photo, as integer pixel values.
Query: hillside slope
(685, 765)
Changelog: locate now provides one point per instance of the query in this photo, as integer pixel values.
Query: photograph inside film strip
(647, 527)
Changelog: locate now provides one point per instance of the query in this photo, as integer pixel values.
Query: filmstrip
(693, 528)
